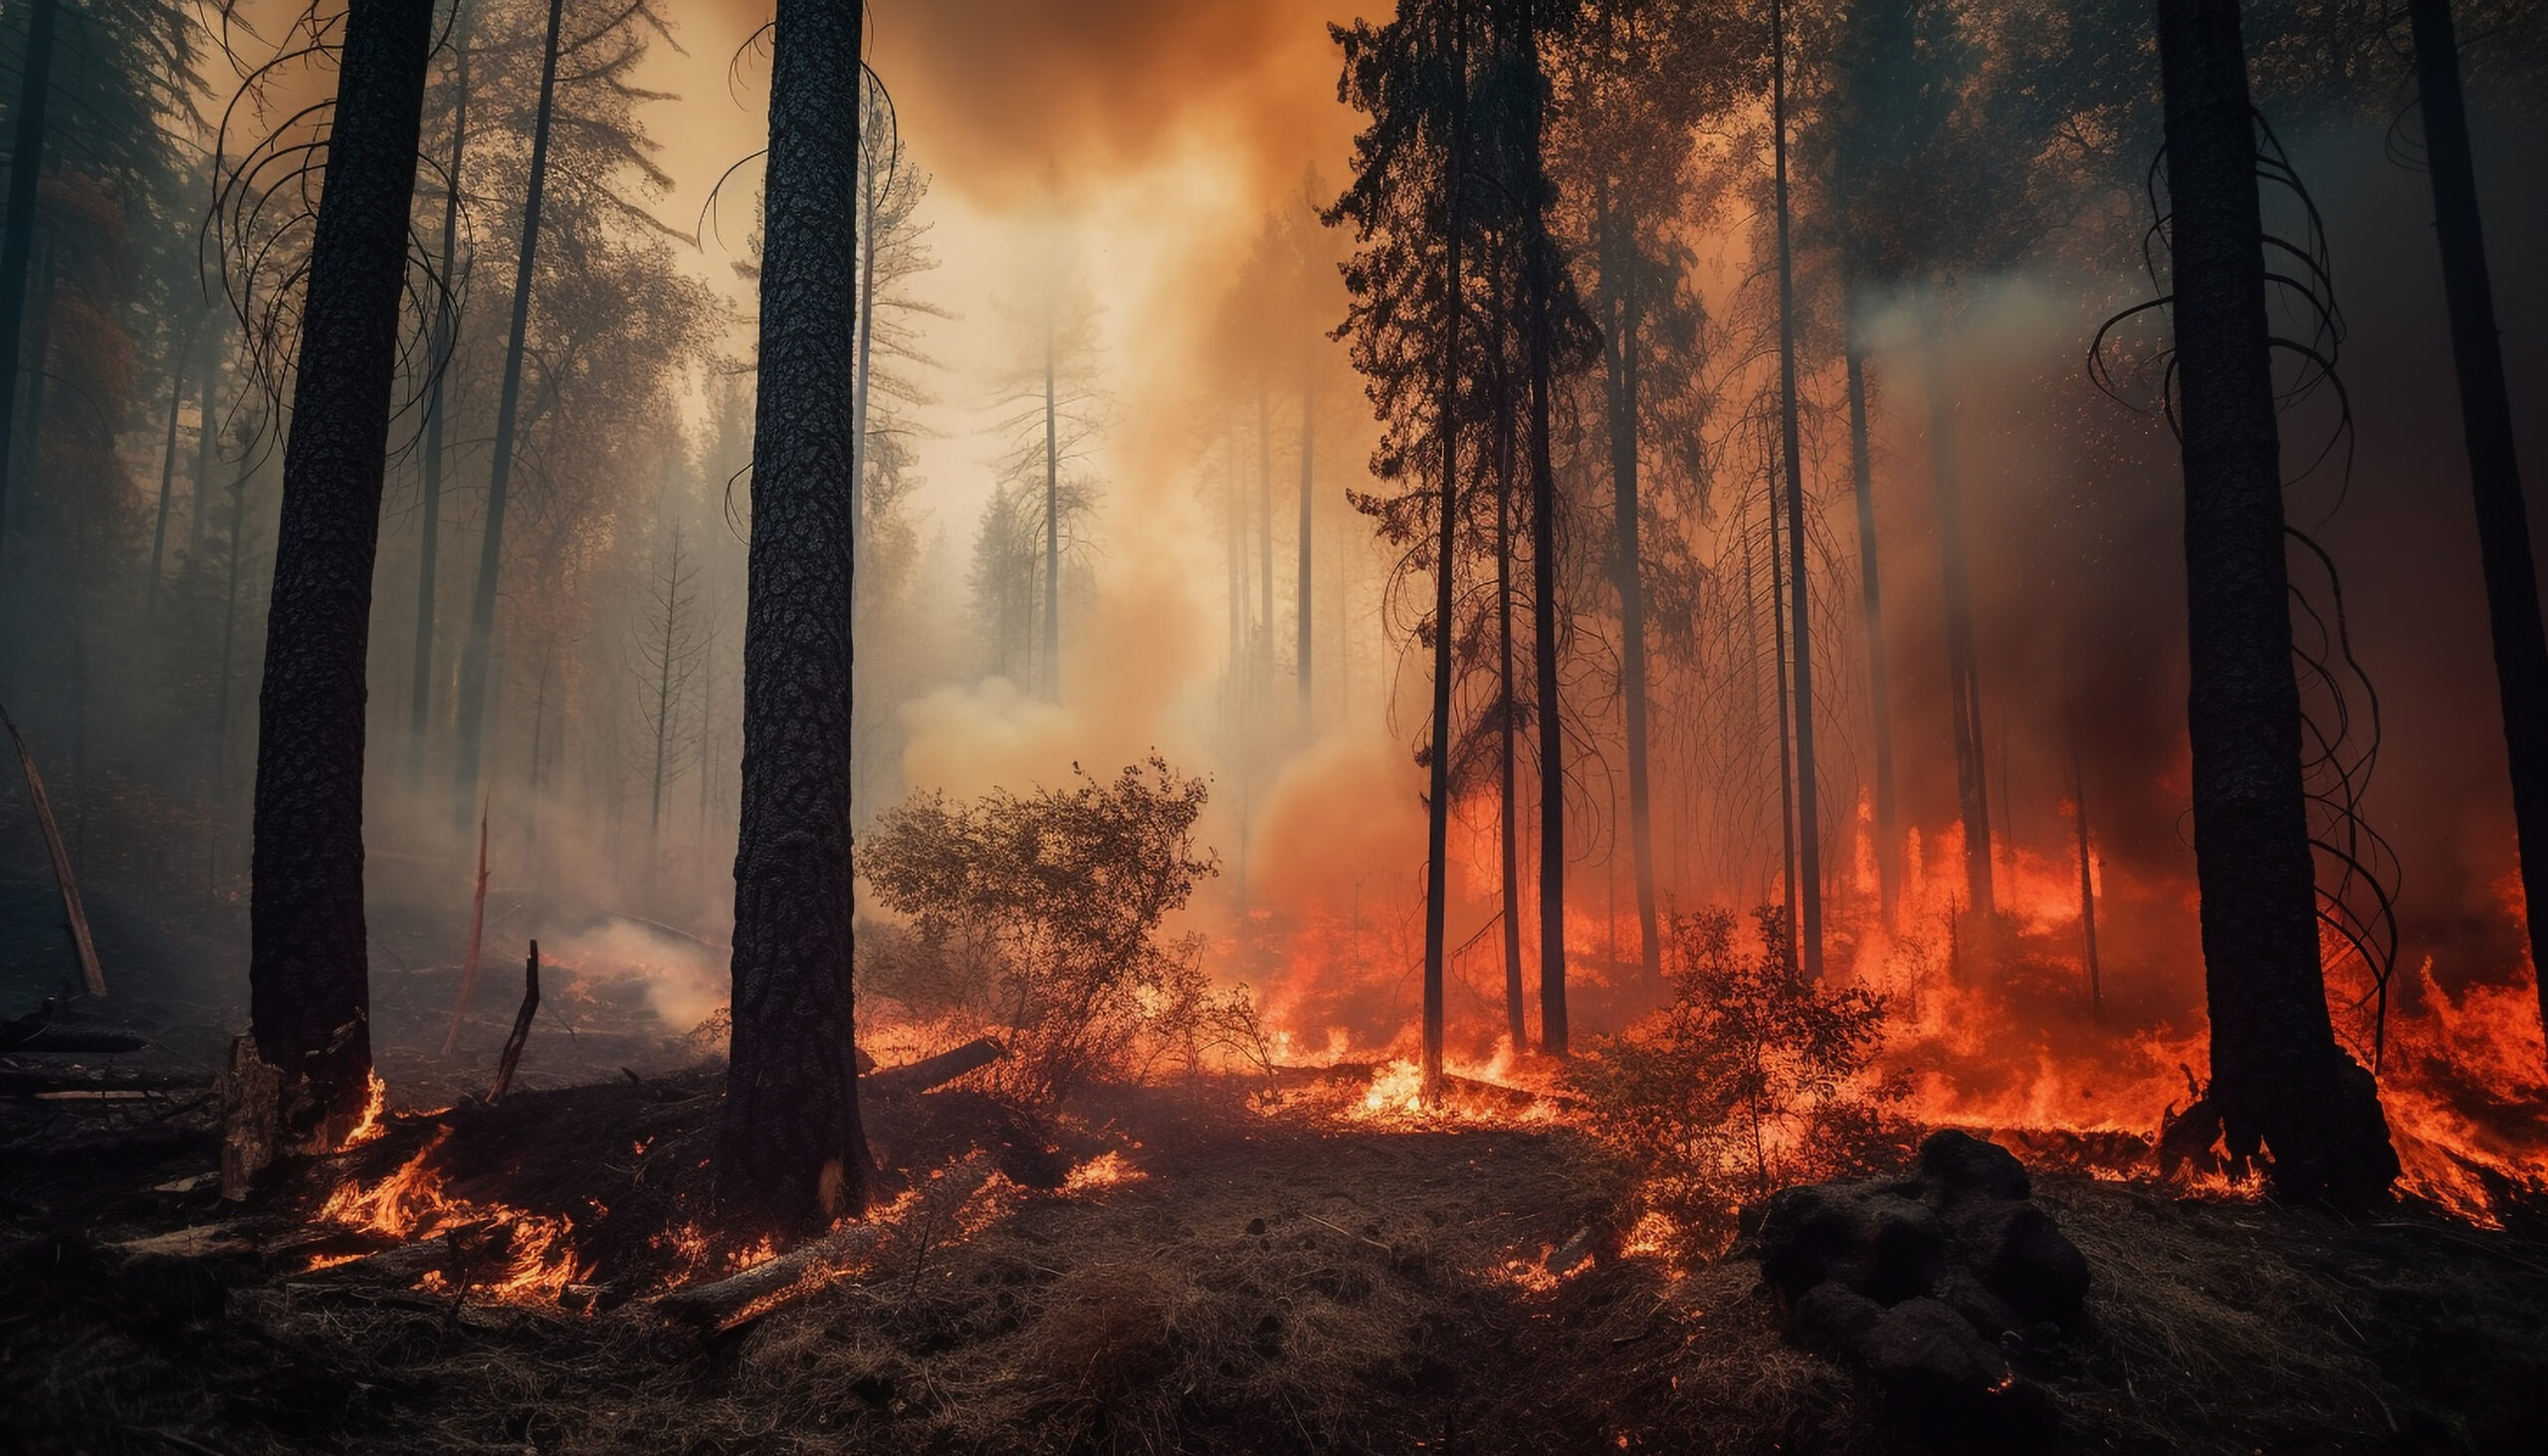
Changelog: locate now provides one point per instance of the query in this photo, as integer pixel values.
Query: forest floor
(1203, 1271)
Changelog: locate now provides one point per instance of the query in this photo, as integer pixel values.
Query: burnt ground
(1254, 1281)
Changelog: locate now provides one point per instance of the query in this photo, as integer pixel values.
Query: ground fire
(1493, 725)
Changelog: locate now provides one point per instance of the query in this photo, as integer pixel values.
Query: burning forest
(1497, 726)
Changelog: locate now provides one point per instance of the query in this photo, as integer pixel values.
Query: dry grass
(1291, 1284)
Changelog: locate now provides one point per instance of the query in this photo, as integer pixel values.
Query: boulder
(1930, 1285)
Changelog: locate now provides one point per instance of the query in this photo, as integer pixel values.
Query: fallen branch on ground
(929, 1072)
(724, 1304)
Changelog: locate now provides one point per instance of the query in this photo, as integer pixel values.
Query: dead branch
(477, 927)
(61, 876)
(722, 1305)
(929, 1072)
(521, 1027)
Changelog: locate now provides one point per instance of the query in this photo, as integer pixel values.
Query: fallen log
(40, 1084)
(722, 1305)
(94, 977)
(521, 1027)
(929, 1072)
(55, 1041)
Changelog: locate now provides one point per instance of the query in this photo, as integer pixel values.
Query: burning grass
(1220, 1271)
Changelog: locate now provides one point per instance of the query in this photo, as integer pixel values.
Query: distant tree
(1053, 407)
(480, 646)
(438, 362)
(2279, 1078)
(790, 1155)
(671, 645)
(309, 990)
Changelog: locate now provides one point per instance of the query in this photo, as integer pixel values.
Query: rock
(1959, 1165)
(1989, 1315)
(1835, 1318)
(1924, 1349)
(2025, 1260)
(1946, 1384)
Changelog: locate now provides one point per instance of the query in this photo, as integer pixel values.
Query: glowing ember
(537, 1261)
(1105, 1170)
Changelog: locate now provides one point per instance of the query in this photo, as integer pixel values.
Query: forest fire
(1797, 724)
(537, 1256)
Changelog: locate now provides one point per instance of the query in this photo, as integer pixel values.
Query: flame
(411, 1203)
(1106, 1171)
(369, 1125)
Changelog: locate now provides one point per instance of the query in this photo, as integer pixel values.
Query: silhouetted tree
(790, 1155)
(2279, 1078)
(2485, 409)
(308, 970)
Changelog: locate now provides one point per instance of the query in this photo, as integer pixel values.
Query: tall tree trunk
(1437, 804)
(420, 692)
(2087, 881)
(1619, 356)
(2485, 410)
(1301, 614)
(1052, 522)
(1808, 819)
(25, 165)
(167, 480)
(2277, 1074)
(790, 1155)
(491, 548)
(1889, 827)
(308, 976)
(1540, 274)
(1264, 533)
(868, 198)
(1963, 683)
(1516, 1025)
(1779, 695)
(207, 439)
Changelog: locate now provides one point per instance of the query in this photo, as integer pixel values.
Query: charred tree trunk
(1779, 698)
(1888, 829)
(167, 483)
(1538, 268)
(1963, 683)
(790, 1155)
(1620, 321)
(1301, 613)
(308, 976)
(2278, 1075)
(1516, 1019)
(2087, 882)
(2486, 408)
(480, 648)
(1437, 804)
(1809, 820)
(26, 164)
(438, 359)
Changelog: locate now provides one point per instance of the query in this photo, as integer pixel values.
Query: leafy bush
(1753, 1078)
(1037, 919)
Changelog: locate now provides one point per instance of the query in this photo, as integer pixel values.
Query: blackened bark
(1780, 698)
(1620, 321)
(790, 1155)
(2277, 1074)
(1809, 820)
(25, 154)
(477, 653)
(308, 976)
(438, 359)
(167, 481)
(1437, 805)
(1516, 1020)
(1963, 679)
(1888, 829)
(2486, 408)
